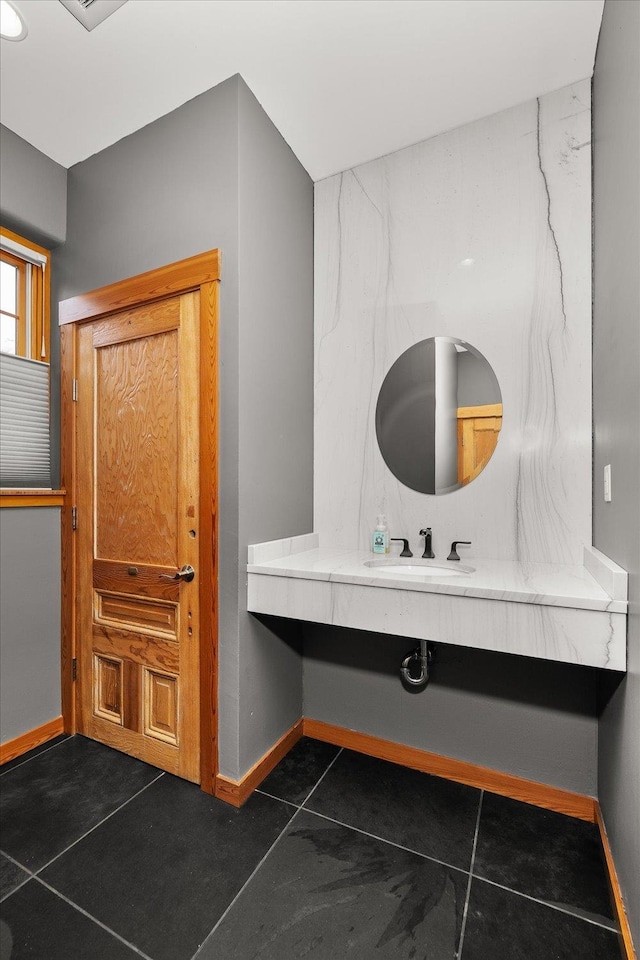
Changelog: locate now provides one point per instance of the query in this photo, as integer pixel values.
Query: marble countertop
(546, 584)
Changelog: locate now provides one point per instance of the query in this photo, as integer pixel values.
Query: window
(24, 314)
(24, 367)
(13, 318)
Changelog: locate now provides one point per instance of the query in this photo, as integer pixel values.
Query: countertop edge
(266, 559)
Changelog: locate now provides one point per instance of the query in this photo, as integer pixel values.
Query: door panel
(137, 471)
(478, 430)
(136, 440)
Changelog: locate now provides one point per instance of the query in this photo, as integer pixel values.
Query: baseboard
(237, 792)
(33, 738)
(577, 805)
(616, 892)
(506, 784)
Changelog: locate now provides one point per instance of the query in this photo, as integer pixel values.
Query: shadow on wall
(289, 631)
(608, 684)
(561, 687)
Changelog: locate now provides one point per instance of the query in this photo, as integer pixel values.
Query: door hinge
(74, 518)
(74, 669)
(74, 390)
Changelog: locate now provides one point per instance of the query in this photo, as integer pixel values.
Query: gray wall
(29, 618)
(33, 202)
(215, 173)
(275, 236)
(616, 401)
(530, 718)
(33, 191)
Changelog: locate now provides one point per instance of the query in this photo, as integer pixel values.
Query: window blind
(24, 423)
(19, 250)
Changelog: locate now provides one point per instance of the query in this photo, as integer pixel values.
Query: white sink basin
(402, 567)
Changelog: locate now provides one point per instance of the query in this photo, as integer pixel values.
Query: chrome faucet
(428, 552)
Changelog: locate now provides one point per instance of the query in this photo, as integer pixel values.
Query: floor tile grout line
(245, 884)
(391, 843)
(29, 876)
(17, 862)
(300, 805)
(272, 796)
(611, 925)
(443, 863)
(37, 873)
(468, 894)
(90, 916)
(40, 753)
(320, 779)
(10, 893)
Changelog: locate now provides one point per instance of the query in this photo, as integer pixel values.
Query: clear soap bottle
(380, 537)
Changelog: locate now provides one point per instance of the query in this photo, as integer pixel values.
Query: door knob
(187, 574)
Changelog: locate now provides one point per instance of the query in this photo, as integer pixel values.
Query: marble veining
(512, 193)
(550, 611)
(536, 583)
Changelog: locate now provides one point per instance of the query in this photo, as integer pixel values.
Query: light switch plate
(607, 483)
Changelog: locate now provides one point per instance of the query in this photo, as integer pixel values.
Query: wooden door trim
(68, 337)
(486, 410)
(201, 273)
(208, 559)
(173, 278)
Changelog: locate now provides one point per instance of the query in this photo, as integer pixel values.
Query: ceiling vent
(92, 12)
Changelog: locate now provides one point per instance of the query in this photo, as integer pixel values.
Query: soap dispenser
(380, 539)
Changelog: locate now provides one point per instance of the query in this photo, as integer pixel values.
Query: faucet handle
(406, 552)
(454, 549)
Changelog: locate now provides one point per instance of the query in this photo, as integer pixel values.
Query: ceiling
(344, 81)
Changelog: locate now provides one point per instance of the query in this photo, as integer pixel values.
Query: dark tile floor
(337, 855)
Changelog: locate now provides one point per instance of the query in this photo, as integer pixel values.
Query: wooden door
(478, 429)
(137, 479)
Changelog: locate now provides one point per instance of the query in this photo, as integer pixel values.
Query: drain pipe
(415, 666)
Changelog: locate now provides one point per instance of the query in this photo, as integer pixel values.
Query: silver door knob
(187, 574)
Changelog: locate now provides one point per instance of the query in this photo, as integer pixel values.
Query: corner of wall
(33, 191)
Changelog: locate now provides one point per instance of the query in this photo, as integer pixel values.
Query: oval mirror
(438, 415)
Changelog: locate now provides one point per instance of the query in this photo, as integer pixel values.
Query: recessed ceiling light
(467, 262)
(12, 26)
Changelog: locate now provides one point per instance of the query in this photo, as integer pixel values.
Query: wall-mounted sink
(548, 611)
(419, 568)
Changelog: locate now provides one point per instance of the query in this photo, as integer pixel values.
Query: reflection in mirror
(438, 416)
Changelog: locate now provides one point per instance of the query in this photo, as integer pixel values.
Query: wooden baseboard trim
(577, 805)
(238, 792)
(505, 784)
(33, 738)
(616, 892)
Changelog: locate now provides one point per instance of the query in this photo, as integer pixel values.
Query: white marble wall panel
(512, 192)
(276, 549)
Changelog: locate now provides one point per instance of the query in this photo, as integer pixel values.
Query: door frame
(200, 273)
